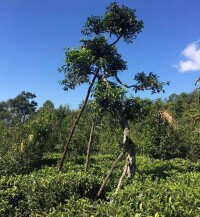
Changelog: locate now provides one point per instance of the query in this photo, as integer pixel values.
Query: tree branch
(116, 41)
(89, 144)
(76, 121)
(120, 82)
(122, 176)
(110, 172)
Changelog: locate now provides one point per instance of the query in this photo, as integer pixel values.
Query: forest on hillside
(116, 155)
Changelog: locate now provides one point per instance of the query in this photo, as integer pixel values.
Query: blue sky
(34, 33)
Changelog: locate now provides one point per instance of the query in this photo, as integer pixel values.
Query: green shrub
(22, 146)
(42, 190)
(161, 140)
(173, 197)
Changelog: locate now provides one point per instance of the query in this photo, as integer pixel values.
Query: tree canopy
(18, 109)
(98, 55)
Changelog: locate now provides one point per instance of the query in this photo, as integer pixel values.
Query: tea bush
(41, 190)
(160, 188)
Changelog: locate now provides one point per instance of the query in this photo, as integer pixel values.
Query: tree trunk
(131, 150)
(76, 122)
(110, 172)
(122, 176)
(130, 164)
(89, 145)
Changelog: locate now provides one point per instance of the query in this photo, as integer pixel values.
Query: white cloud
(191, 55)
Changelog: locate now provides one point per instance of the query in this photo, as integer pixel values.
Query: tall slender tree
(97, 57)
(97, 62)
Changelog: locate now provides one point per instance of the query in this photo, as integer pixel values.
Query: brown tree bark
(89, 145)
(76, 122)
(131, 150)
(122, 176)
(110, 172)
(130, 165)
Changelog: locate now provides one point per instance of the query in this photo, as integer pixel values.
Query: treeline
(172, 128)
(169, 129)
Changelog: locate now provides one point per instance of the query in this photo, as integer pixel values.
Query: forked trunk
(130, 164)
(110, 172)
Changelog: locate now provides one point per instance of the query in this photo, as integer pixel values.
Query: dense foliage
(23, 144)
(172, 128)
(161, 188)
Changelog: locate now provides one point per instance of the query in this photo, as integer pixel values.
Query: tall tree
(97, 59)
(18, 109)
